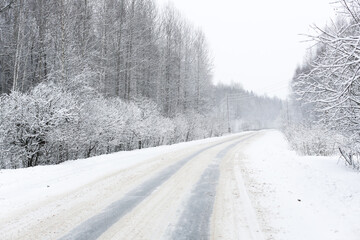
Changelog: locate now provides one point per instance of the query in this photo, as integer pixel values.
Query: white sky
(256, 42)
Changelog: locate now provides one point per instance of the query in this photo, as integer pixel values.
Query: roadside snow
(301, 197)
(20, 188)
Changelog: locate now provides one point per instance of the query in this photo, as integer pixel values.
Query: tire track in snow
(194, 223)
(97, 225)
(234, 216)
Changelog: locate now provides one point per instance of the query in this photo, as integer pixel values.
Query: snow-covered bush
(181, 128)
(199, 126)
(312, 140)
(57, 122)
(192, 126)
(15, 133)
(28, 123)
(152, 128)
(351, 158)
(97, 126)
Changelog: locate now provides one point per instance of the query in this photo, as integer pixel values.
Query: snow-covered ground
(46, 202)
(300, 197)
(263, 186)
(22, 187)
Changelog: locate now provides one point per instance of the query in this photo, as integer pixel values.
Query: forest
(84, 78)
(326, 90)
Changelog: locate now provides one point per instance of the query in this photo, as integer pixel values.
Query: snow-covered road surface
(242, 186)
(155, 199)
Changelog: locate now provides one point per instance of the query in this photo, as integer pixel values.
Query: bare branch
(8, 6)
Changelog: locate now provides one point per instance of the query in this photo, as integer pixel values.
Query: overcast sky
(256, 43)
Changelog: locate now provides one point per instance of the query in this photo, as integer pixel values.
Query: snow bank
(301, 197)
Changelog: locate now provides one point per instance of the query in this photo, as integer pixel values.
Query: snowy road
(192, 193)
(244, 186)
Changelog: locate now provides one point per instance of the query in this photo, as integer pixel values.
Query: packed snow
(22, 187)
